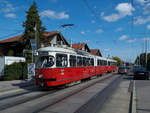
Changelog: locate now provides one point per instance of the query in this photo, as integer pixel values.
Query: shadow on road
(127, 76)
(25, 84)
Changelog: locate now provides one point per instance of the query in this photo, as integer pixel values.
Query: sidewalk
(15, 84)
(119, 101)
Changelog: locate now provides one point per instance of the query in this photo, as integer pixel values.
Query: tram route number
(31, 70)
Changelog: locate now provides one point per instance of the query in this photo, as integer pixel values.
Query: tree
(142, 59)
(33, 26)
(119, 62)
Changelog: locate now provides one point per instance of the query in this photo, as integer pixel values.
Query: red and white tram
(58, 66)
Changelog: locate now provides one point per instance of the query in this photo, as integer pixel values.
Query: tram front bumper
(43, 81)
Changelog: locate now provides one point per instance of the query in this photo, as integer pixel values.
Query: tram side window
(87, 61)
(79, 61)
(98, 61)
(61, 60)
(101, 62)
(109, 63)
(72, 61)
(105, 62)
(84, 61)
(92, 62)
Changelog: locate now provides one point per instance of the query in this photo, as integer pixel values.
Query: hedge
(16, 71)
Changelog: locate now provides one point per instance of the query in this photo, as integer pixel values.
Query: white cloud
(82, 32)
(132, 41)
(119, 29)
(99, 31)
(93, 21)
(146, 9)
(7, 8)
(54, 15)
(106, 50)
(10, 15)
(148, 27)
(102, 14)
(112, 18)
(123, 37)
(54, 1)
(140, 20)
(145, 39)
(123, 9)
(142, 2)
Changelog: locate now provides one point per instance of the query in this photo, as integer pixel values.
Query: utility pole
(71, 42)
(146, 49)
(36, 40)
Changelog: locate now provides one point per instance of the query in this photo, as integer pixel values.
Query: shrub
(10, 53)
(16, 71)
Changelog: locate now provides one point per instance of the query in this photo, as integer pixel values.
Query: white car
(122, 70)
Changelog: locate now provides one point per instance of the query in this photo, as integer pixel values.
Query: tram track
(22, 100)
(78, 91)
(17, 93)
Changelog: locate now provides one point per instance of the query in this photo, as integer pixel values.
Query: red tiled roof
(16, 38)
(95, 52)
(49, 33)
(78, 45)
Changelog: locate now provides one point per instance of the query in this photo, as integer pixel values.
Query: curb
(134, 99)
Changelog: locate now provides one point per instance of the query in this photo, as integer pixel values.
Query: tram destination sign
(43, 52)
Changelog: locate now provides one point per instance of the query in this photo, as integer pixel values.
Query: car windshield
(141, 69)
(122, 67)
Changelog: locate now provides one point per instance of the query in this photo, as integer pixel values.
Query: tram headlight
(40, 76)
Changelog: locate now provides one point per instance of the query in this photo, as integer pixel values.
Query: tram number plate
(62, 72)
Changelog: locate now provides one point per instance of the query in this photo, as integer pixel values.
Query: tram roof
(111, 60)
(67, 50)
(70, 50)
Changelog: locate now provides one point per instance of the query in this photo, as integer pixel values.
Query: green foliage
(16, 71)
(119, 62)
(10, 53)
(140, 60)
(32, 21)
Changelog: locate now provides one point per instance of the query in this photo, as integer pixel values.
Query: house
(14, 46)
(96, 52)
(81, 46)
(54, 38)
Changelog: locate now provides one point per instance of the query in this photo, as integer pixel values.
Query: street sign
(31, 70)
(33, 44)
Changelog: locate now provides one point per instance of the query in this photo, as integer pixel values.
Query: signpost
(31, 70)
(31, 66)
(33, 46)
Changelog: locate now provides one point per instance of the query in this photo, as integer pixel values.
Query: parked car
(140, 73)
(122, 70)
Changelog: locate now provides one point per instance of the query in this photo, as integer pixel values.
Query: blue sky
(116, 27)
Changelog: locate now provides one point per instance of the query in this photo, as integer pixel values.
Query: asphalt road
(143, 96)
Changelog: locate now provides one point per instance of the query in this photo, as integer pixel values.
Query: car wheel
(147, 78)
